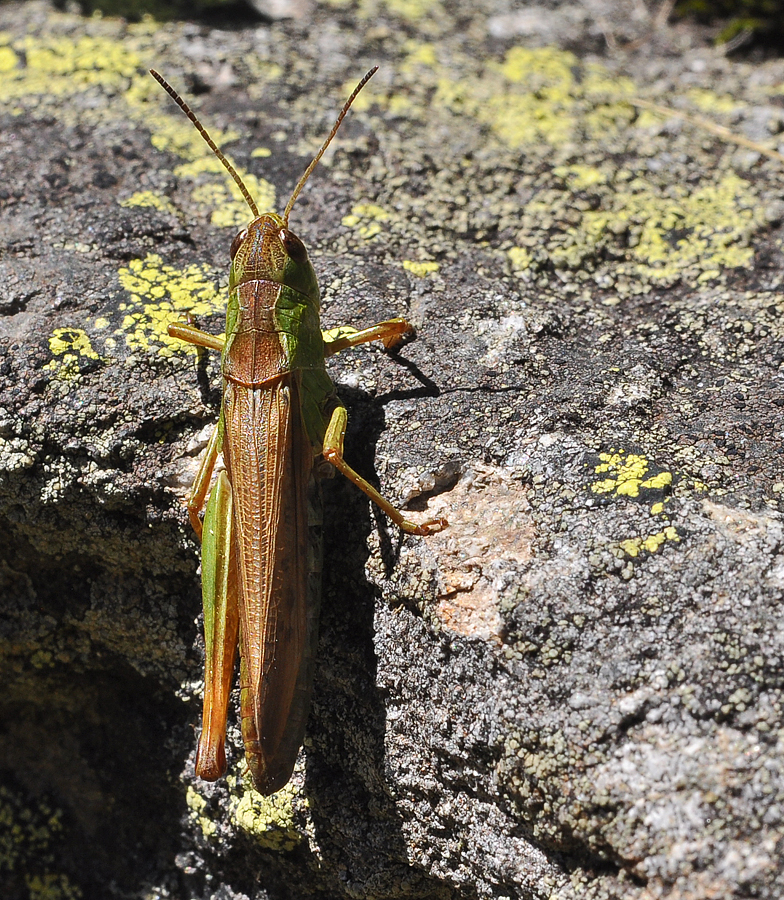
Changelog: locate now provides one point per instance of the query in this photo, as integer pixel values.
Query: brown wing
(269, 461)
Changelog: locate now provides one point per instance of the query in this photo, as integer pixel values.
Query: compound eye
(293, 246)
(235, 244)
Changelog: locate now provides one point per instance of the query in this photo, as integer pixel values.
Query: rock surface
(575, 690)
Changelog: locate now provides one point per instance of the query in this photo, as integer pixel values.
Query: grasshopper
(280, 419)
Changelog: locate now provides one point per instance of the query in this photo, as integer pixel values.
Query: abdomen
(277, 530)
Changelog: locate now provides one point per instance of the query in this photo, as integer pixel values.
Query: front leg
(391, 334)
(192, 335)
(333, 452)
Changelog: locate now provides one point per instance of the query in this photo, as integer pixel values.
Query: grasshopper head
(267, 250)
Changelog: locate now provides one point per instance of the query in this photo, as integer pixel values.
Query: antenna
(312, 166)
(212, 145)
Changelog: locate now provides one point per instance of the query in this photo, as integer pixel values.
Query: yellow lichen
(580, 177)
(365, 219)
(413, 10)
(221, 196)
(681, 232)
(69, 346)
(42, 659)
(519, 257)
(419, 53)
(540, 98)
(177, 135)
(150, 199)
(54, 66)
(51, 887)
(198, 805)
(540, 95)
(662, 480)
(650, 544)
(271, 820)
(626, 475)
(161, 295)
(420, 269)
(8, 59)
(28, 834)
(40, 70)
(710, 102)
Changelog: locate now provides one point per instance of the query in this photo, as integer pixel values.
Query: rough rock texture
(575, 690)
